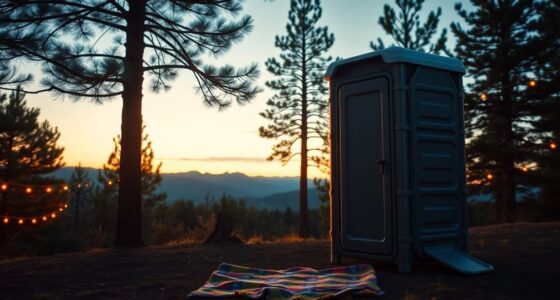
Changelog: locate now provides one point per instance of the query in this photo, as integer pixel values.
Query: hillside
(263, 192)
(525, 257)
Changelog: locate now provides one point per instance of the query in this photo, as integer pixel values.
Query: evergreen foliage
(297, 112)
(406, 29)
(72, 42)
(547, 127)
(109, 178)
(27, 146)
(502, 50)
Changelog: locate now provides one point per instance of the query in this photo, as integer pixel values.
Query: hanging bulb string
(34, 219)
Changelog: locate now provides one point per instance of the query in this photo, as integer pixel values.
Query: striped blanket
(296, 283)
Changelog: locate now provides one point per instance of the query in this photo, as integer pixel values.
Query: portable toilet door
(397, 159)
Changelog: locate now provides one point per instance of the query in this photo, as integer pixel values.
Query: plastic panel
(436, 156)
(365, 208)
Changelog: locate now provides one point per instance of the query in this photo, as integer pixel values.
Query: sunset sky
(188, 136)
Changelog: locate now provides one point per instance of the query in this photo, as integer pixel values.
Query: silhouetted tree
(27, 148)
(151, 177)
(297, 112)
(499, 50)
(100, 49)
(407, 31)
(82, 190)
(547, 91)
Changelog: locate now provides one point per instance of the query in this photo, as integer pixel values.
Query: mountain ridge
(260, 191)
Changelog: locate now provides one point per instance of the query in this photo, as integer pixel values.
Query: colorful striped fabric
(296, 283)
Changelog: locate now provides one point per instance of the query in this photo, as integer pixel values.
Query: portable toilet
(398, 160)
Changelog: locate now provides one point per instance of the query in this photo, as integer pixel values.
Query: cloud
(220, 159)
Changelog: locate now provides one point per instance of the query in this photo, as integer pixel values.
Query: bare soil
(526, 258)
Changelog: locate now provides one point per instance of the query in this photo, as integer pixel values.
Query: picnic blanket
(296, 283)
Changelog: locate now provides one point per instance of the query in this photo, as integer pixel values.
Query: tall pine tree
(547, 127)
(499, 48)
(100, 49)
(406, 29)
(297, 112)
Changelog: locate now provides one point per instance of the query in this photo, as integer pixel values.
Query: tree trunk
(77, 211)
(507, 201)
(303, 214)
(129, 218)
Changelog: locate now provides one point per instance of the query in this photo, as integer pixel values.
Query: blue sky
(186, 135)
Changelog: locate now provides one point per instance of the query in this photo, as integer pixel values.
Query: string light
(34, 190)
(552, 146)
(110, 182)
(532, 83)
(524, 169)
(483, 97)
(490, 176)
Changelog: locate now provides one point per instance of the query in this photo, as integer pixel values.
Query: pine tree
(82, 189)
(102, 49)
(297, 112)
(406, 29)
(499, 50)
(547, 127)
(109, 177)
(27, 148)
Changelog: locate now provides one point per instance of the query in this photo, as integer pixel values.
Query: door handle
(381, 164)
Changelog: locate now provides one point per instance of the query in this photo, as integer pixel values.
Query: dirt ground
(526, 258)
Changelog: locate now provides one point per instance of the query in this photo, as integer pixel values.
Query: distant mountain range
(259, 191)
